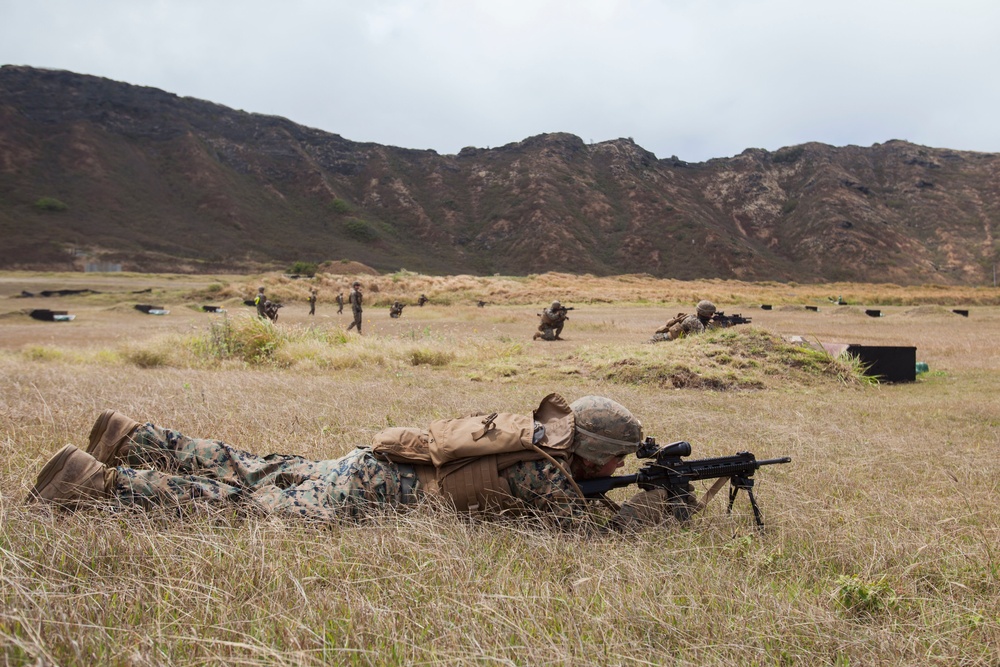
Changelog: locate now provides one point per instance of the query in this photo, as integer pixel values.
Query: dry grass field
(882, 544)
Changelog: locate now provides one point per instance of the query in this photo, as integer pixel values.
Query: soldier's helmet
(705, 308)
(356, 283)
(555, 305)
(260, 289)
(605, 429)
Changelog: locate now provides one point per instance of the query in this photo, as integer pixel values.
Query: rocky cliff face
(160, 182)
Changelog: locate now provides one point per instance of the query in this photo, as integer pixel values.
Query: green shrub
(42, 353)
(360, 230)
(340, 206)
(50, 204)
(304, 268)
(865, 597)
(252, 340)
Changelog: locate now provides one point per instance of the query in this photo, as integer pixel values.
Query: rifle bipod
(745, 483)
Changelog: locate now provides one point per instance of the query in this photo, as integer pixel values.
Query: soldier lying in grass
(497, 463)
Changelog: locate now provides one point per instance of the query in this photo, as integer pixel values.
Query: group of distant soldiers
(553, 318)
(267, 309)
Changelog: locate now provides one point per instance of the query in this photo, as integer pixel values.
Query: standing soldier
(260, 301)
(312, 301)
(355, 299)
(340, 303)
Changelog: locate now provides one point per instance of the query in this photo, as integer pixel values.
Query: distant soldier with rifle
(396, 309)
(312, 301)
(422, 300)
(553, 319)
(261, 302)
(340, 303)
(548, 462)
(355, 298)
(271, 310)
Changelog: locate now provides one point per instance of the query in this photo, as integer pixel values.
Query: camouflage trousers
(166, 468)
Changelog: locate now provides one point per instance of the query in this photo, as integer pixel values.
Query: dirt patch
(342, 268)
(925, 311)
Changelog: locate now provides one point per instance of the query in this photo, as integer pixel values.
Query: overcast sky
(693, 78)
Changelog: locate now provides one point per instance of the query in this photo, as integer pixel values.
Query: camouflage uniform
(684, 325)
(355, 298)
(552, 324)
(340, 303)
(164, 467)
(260, 301)
(312, 303)
(694, 324)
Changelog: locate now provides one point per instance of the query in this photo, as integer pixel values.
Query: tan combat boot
(109, 439)
(72, 478)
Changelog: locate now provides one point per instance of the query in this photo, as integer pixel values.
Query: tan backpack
(461, 458)
(673, 327)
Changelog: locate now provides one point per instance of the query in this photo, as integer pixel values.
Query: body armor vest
(460, 460)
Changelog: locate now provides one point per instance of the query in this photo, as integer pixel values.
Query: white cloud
(695, 79)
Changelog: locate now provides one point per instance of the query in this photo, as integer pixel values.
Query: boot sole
(48, 473)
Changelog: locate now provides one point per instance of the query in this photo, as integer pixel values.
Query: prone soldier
(682, 324)
(529, 463)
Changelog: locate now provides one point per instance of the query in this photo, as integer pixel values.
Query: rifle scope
(649, 449)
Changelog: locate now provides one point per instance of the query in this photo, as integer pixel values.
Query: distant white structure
(101, 267)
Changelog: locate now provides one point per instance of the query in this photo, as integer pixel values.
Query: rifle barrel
(768, 462)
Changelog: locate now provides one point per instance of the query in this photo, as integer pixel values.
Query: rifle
(563, 310)
(724, 320)
(560, 309)
(667, 471)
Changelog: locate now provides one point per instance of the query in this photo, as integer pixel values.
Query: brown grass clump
(728, 359)
(346, 267)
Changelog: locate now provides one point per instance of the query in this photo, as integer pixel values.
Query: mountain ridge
(157, 182)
